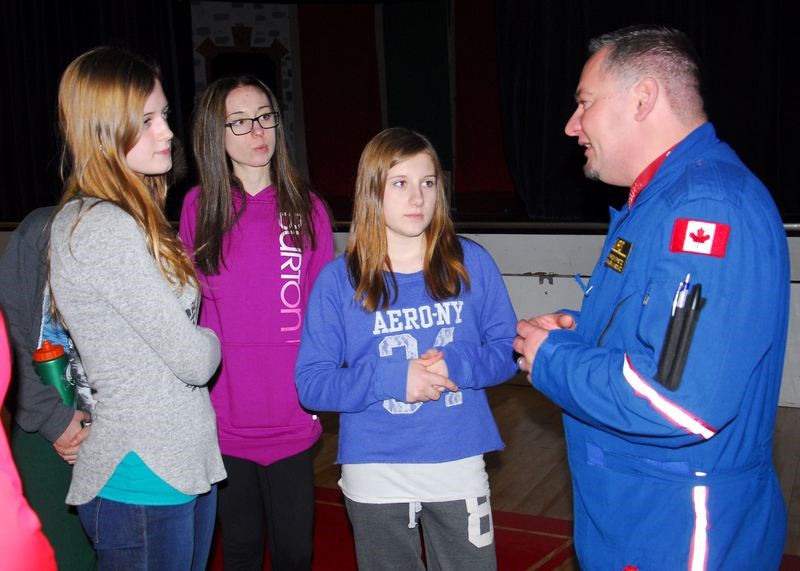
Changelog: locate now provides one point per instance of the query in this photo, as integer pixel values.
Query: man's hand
(427, 378)
(531, 333)
(70, 440)
(552, 321)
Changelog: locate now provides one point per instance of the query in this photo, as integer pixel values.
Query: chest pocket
(615, 316)
(625, 323)
(638, 320)
(655, 311)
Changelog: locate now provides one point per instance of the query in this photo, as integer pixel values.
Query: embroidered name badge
(618, 255)
(700, 237)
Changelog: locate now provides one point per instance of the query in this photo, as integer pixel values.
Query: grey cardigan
(146, 359)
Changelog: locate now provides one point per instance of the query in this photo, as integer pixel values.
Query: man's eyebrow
(579, 92)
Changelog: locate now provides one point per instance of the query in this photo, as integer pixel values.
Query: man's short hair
(663, 53)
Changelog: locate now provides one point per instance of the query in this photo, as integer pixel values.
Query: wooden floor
(531, 475)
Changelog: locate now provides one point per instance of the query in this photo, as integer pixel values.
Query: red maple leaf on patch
(700, 237)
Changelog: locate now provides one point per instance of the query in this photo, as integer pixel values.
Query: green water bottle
(50, 363)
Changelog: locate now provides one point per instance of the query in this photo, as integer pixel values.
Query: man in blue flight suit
(669, 476)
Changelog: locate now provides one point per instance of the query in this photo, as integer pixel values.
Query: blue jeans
(130, 537)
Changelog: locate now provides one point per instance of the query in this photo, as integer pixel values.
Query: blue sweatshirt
(356, 362)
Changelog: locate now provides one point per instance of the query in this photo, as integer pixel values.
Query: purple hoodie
(256, 306)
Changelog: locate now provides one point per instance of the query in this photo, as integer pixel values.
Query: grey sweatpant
(458, 535)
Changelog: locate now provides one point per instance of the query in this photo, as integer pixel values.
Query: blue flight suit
(678, 479)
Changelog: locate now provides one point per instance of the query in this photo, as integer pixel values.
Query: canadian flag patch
(699, 237)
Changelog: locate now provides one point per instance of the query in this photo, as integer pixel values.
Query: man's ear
(645, 94)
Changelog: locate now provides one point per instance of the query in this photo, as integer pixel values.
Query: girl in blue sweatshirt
(403, 333)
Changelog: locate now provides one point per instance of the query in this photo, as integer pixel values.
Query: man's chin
(590, 173)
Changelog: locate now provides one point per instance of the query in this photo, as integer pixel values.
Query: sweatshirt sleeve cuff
(57, 423)
(392, 380)
(457, 370)
(554, 339)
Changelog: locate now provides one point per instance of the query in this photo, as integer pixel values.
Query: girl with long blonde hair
(143, 482)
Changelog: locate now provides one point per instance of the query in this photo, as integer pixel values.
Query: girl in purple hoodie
(259, 236)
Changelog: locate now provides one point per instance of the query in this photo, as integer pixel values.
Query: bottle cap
(48, 351)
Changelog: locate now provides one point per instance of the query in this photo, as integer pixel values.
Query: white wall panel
(538, 271)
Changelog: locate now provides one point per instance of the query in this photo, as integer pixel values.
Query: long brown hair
(101, 102)
(216, 215)
(367, 255)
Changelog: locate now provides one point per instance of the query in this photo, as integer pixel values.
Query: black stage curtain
(751, 85)
(748, 48)
(39, 39)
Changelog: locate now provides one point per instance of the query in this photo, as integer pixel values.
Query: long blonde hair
(367, 249)
(101, 102)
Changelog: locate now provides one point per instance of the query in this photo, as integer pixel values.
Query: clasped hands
(531, 333)
(427, 377)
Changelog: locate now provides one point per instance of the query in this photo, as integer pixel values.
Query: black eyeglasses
(244, 126)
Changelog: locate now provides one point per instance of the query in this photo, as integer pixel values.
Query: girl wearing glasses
(403, 334)
(259, 236)
(126, 290)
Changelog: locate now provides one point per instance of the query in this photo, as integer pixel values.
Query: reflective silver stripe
(699, 550)
(667, 408)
